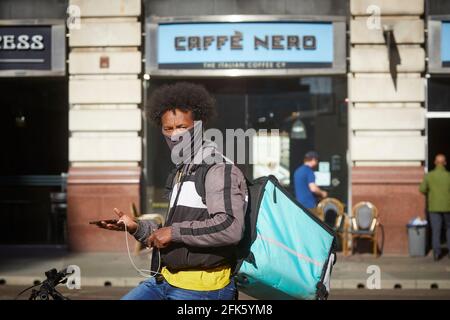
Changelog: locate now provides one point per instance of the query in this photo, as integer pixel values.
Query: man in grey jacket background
(199, 239)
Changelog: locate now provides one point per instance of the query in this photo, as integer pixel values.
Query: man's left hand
(161, 238)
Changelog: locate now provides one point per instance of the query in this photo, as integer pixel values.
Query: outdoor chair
(364, 224)
(331, 211)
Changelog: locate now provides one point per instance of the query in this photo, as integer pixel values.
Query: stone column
(105, 93)
(387, 121)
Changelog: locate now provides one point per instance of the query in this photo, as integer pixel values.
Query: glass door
(438, 118)
(310, 113)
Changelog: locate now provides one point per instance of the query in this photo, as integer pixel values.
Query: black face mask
(192, 142)
(176, 139)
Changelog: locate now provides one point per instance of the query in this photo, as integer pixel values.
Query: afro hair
(185, 96)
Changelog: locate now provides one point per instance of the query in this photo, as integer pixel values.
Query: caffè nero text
(234, 42)
(21, 42)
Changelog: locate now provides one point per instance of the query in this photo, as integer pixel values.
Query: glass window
(310, 113)
(439, 94)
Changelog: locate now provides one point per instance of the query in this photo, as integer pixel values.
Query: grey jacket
(221, 229)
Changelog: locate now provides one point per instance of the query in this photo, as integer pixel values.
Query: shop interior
(309, 112)
(34, 159)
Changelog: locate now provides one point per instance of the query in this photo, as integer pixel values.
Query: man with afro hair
(205, 221)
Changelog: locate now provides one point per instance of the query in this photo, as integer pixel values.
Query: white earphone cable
(142, 272)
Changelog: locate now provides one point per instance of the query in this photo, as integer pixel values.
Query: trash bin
(417, 240)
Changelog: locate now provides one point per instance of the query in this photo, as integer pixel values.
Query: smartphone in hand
(99, 222)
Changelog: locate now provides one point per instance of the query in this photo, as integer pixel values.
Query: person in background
(436, 186)
(306, 189)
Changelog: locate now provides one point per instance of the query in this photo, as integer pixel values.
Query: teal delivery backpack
(286, 252)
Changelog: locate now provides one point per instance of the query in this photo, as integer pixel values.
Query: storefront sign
(244, 46)
(445, 43)
(25, 48)
(31, 49)
(439, 44)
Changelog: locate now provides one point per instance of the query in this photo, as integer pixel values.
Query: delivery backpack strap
(169, 183)
(200, 171)
(255, 190)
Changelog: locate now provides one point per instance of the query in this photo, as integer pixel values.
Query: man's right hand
(123, 221)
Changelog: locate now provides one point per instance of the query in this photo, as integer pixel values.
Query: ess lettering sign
(25, 48)
(22, 42)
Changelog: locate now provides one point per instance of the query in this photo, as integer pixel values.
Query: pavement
(396, 272)
(110, 275)
(8, 292)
